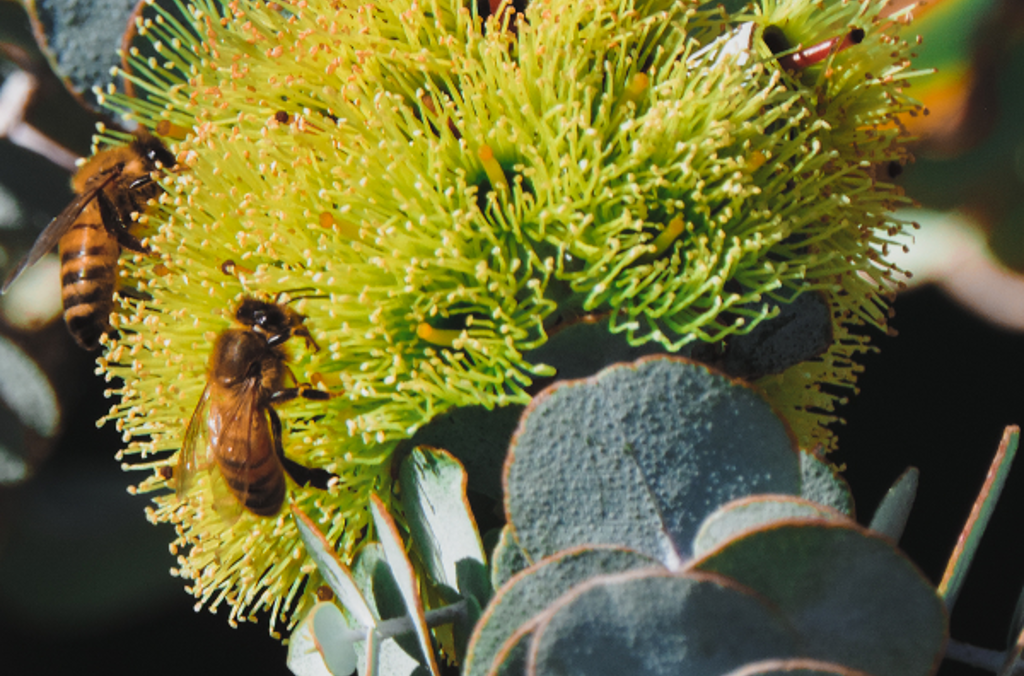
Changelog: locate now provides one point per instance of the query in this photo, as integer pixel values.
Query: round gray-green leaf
(800, 331)
(855, 599)
(754, 511)
(821, 483)
(638, 455)
(795, 667)
(530, 591)
(81, 39)
(647, 623)
(507, 559)
(478, 438)
(323, 644)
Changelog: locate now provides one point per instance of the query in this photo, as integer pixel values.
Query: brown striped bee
(90, 232)
(235, 426)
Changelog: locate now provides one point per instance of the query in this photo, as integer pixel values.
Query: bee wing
(225, 504)
(57, 227)
(246, 414)
(196, 437)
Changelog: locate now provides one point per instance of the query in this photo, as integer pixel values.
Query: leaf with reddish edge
(852, 595)
(658, 623)
(303, 657)
(478, 438)
(323, 644)
(530, 591)
(397, 655)
(797, 666)
(510, 660)
(649, 449)
(405, 577)
(755, 511)
(821, 483)
(507, 559)
(441, 525)
(970, 537)
(335, 573)
(890, 518)
(80, 40)
(372, 656)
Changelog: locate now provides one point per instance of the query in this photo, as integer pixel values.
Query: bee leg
(304, 390)
(130, 292)
(300, 474)
(112, 219)
(303, 332)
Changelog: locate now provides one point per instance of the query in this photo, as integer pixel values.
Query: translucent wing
(196, 438)
(242, 435)
(57, 227)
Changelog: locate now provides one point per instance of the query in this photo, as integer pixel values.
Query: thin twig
(15, 96)
(982, 658)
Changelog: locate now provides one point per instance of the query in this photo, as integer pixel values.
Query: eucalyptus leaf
(890, 518)
(26, 391)
(800, 331)
(854, 598)
(304, 659)
(385, 657)
(334, 572)
(405, 577)
(30, 410)
(397, 655)
(323, 643)
(645, 452)
(795, 667)
(372, 576)
(370, 664)
(655, 623)
(821, 483)
(581, 349)
(981, 513)
(511, 659)
(507, 559)
(478, 437)
(440, 522)
(753, 512)
(80, 39)
(531, 590)
(333, 639)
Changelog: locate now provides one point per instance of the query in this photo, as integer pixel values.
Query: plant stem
(982, 658)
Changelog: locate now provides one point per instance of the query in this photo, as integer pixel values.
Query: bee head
(153, 149)
(277, 322)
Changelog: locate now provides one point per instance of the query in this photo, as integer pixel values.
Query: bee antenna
(292, 299)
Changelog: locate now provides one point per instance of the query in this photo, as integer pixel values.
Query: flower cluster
(441, 188)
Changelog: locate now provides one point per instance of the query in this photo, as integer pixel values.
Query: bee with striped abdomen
(89, 232)
(234, 426)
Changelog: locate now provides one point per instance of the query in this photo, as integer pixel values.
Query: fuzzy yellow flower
(439, 189)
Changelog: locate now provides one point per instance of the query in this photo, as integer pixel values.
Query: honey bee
(235, 426)
(90, 232)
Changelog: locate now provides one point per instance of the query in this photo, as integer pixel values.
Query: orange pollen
(441, 337)
(493, 169)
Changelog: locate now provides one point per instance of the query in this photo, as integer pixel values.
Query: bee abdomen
(266, 500)
(88, 255)
(260, 486)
